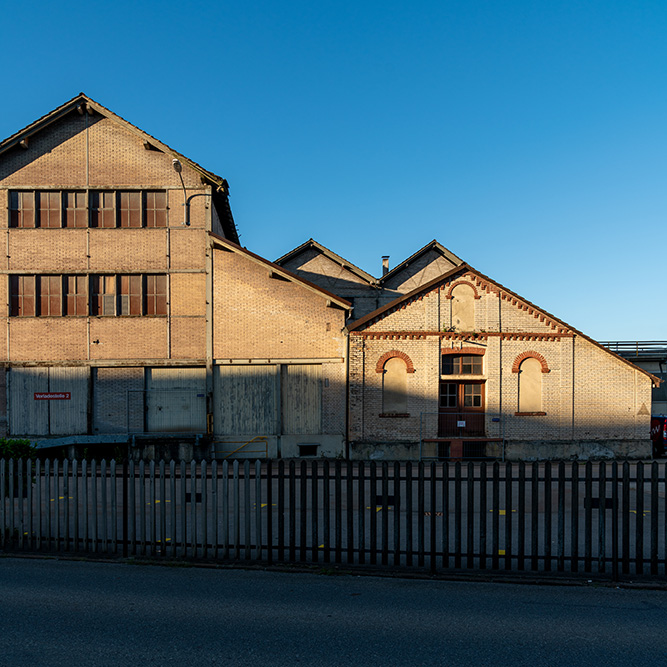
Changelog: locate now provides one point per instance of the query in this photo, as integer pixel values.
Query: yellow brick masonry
(92, 152)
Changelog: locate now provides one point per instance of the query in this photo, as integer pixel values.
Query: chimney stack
(385, 265)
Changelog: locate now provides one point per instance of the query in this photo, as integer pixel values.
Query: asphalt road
(82, 613)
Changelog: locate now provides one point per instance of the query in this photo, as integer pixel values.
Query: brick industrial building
(133, 315)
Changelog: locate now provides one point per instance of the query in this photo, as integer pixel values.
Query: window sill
(394, 415)
(530, 414)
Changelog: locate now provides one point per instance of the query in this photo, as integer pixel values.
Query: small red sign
(53, 396)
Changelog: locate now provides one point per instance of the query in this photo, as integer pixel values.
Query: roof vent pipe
(385, 265)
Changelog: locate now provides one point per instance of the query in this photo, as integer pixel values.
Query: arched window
(463, 308)
(530, 385)
(395, 386)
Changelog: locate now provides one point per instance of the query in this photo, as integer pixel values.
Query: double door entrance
(461, 410)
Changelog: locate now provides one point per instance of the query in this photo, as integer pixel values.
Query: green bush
(16, 449)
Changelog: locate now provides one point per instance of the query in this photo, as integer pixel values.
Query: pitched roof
(82, 103)
(312, 244)
(433, 245)
(279, 270)
(385, 310)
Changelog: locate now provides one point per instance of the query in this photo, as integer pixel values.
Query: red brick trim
(448, 295)
(530, 414)
(394, 415)
(479, 351)
(379, 367)
(530, 355)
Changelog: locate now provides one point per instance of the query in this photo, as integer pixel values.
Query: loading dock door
(176, 400)
(302, 399)
(246, 400)
(28, 416)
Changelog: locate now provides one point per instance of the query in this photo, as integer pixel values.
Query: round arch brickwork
(379, 367)
(448, 295)
(530, 355)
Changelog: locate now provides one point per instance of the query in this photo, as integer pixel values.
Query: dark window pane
(22, 296)
(103, 209)
(77, 299)
(50, 296)
(49, 209)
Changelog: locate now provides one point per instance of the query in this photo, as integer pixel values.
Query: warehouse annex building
(133, 315)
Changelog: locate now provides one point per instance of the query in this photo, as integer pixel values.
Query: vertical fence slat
(281, 511)
(483, 515)
(203, 473)
(349, 486)
(432, 523)
(385, 513)
(56, 504)
(547, 516)
(103, 504)
(338, 529)
(163, 510)
(291, 481)
(420, 514)
(258, 510)
(269, 512)
(114, 506)
(172, 506)
(47, 500)
(614, 520)
(215, 507)
(326, 509)
(508, 516)
(194, 535)
(397, 515)
(470, 515)
(20, 521)
(142, 507)
(457, 515)
(495, 527)
(373, 510)
(246, 509)
(94, 528)
(534, 516)
(183, 509)
(30, 510)
(654, 518)
(602, 515)
(84, 503)
(314, 511)
(625, 520)
(361, 517)
(561, 517)
(303, 511)
(588, 517)
(4, 493)
(153, 508)
(225, 513)
(574, 518)
(639, 520)
(408, 514)
(236, 511)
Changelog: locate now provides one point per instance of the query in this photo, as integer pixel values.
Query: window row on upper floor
(101, 295)
(95, 208)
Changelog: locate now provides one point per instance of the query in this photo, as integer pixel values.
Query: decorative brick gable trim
(448, 295)
(379, 368)
(479, 351)
(530, 355)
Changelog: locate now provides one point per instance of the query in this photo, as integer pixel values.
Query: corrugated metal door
(176, 400)
(246, 400)
(302, 399)
(69, 417)
(26, 415)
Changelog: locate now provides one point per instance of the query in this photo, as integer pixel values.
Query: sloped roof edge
(292, 277)
(311, 243)
(434, 244)
(69, 106)
(463, 268)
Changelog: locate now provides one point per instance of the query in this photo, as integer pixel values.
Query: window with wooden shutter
(103, 301)
(77, 295)
(130, 295)
(21, 209)
(49, 209)
(155, 298)
(129, 205)
(76, 209)
(103, 209)
(156, 209)
(50, 296)
(22, 301)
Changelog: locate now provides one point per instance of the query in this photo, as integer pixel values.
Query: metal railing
(637, 349)
(603, 519)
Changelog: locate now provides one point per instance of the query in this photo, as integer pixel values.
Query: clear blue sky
(529, 137)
